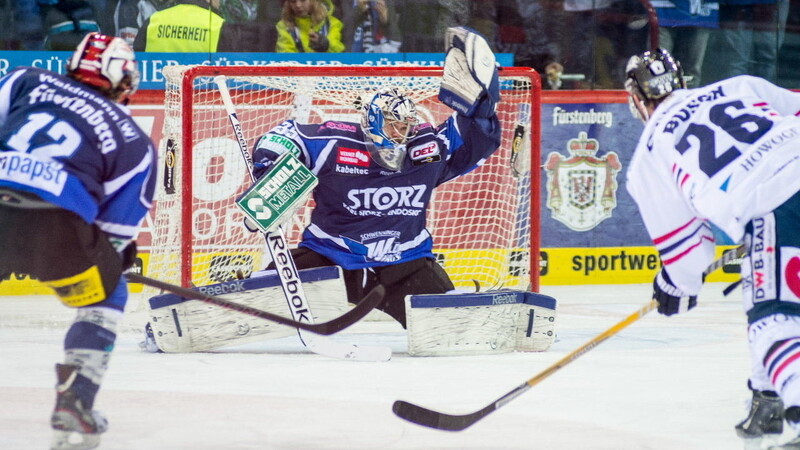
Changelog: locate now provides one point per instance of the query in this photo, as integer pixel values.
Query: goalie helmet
(652, 76)
(390, 120)
(106, 63)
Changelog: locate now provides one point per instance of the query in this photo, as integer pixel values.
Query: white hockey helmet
(106, 63)
(390, 120)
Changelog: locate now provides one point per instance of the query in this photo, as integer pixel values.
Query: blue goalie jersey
(366, 215)
(68, 144)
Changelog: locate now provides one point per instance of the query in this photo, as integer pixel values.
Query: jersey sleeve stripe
(679, 256)
(5, 94)
(112, 186)
(118, 229)
(672, 233)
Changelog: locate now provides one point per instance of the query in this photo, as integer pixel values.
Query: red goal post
(485, 224)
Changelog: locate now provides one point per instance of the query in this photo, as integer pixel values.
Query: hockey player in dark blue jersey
(376, 177)
(76, 179)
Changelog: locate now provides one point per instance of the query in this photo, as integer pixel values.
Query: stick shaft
(355, 314)
(455, 422)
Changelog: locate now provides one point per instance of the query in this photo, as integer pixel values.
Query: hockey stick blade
(457, 422)
(358, 312)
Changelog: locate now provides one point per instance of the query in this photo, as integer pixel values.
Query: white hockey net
(481, 222)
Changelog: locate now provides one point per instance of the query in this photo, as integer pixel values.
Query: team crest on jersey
(582, 188)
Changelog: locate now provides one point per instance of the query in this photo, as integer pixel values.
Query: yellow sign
(609, 265)
(490, 268)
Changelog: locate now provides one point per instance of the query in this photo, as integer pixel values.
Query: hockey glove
(321, 44)
(470, 82)
(250, 226)
(128, 255)
(670, 299)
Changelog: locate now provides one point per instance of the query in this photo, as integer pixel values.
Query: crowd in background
(581, 44)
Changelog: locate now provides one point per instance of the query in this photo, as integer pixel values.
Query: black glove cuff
(128, 256)
(321, 45)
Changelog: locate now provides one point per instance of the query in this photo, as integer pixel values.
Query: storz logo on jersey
(582, 188)
(425, 153)
(352, 157)
(387, 201)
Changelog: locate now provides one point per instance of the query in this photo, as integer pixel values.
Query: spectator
(684, 29)
(750, 35)
(371, 26)
(309, 26)
(423, 22)
(243, 20)
(579, 48)
(188, 26)
(22, 28)
(529, 30)
(66, 22)
(128, 16)
(605, 32)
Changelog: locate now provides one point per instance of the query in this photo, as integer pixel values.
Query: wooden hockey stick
(286, 268)
(454, 422)
(373, 299)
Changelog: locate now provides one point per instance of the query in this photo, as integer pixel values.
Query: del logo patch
(425, 153)
(352, 157)
(582, 188)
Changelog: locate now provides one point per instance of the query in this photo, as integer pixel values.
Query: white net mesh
(481, 222)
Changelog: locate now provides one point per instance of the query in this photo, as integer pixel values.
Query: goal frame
(186, 87)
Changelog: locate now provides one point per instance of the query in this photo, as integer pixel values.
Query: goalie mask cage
(484, 224)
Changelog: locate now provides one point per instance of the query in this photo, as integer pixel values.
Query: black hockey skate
(765, 419)
(74, 427)
(792, 416)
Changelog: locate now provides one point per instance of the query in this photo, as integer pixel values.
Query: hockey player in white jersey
(76, 179)
(726, 154)
(376, 177)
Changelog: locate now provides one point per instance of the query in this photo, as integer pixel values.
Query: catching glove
(670, 299)
(470, 82)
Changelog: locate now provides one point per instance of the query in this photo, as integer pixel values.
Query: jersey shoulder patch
(424, 153)
(339, 128)
(278, 143)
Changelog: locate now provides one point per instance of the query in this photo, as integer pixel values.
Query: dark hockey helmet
(106, 63)
(653, 75)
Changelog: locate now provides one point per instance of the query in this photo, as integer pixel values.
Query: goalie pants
(771, 294)
(52, 244)
(420, 276)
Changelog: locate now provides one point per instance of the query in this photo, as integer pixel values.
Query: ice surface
(662, 383)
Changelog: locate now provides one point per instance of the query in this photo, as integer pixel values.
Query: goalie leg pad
(181, 325)
(536, 323)
(479, 324)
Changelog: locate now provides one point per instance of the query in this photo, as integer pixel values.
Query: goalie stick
(286, 268)
(373, 299)
(454, 422)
